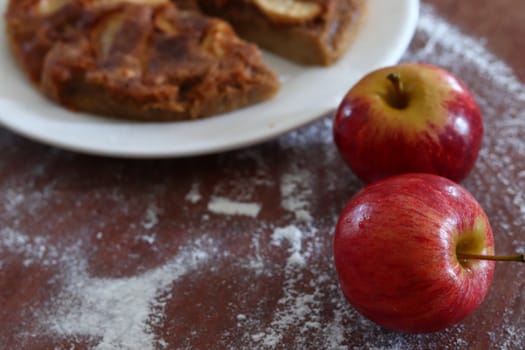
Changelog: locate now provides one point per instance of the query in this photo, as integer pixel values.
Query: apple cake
(136, 59)
(312, 32)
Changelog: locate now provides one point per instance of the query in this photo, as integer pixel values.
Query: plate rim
(403, 39)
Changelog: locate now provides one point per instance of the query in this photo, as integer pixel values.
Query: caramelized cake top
(151, 59)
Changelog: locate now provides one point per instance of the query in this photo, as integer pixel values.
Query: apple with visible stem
(412, 117)
(412, 252)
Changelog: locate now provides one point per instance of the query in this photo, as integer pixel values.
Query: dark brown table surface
(234, 251)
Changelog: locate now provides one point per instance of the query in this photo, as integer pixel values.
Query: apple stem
(467, 256)
(401, 99)
(395, 79)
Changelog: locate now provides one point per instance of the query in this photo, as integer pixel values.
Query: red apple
(409, 118)
(400, 252)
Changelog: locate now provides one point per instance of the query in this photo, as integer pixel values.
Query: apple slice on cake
(313, 32)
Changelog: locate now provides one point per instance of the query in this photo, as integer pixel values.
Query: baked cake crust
(314, 35)
(135, 59)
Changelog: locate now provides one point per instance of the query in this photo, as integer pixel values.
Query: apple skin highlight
(395, 253)
(437, 130)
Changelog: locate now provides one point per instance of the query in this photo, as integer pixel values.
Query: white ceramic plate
(306, 94)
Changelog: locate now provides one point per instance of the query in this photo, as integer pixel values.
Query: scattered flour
(225, 206)
(34, 249)
(150, 239)
(194, 195)
(151, 218)
(296, 192)
(255, 262)
(12, 200)
(294, 236)
(119, 311)
(296, 309)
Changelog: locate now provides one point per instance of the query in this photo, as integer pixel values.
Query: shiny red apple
(411, 117)
(401, 247)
